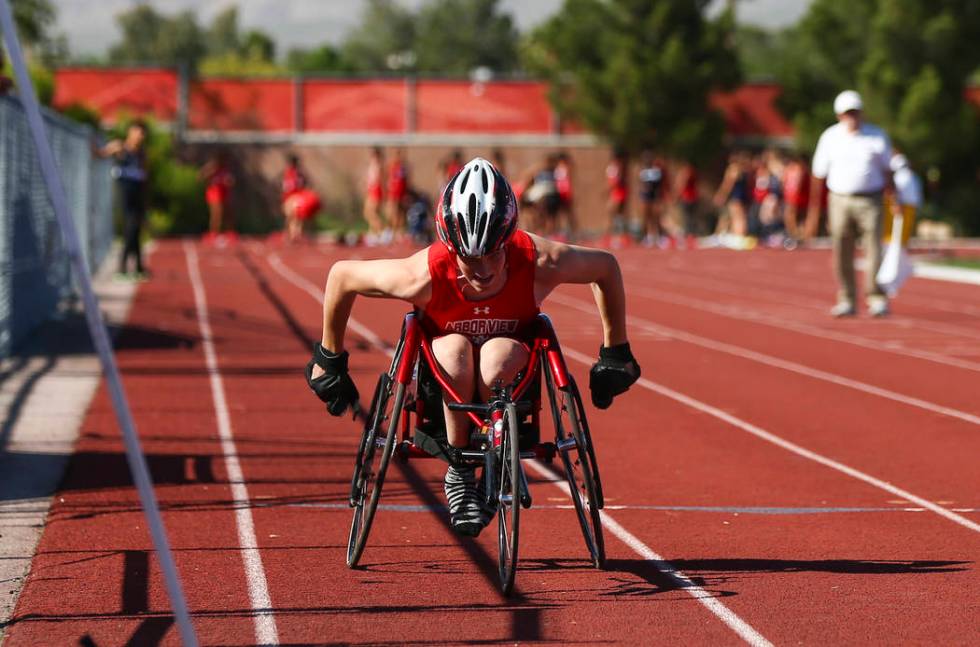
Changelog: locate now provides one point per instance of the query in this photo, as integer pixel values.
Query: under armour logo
(485, 310)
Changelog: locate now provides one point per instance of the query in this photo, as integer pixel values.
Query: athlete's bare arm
(400, 278)
(561, 263)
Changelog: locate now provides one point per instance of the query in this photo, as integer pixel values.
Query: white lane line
(787, 445)
(734, 312)
(735, 623)
(769, 360)
(738, 625)
(258, 589)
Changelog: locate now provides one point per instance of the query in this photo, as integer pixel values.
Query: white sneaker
(843, 309)
(878, 308)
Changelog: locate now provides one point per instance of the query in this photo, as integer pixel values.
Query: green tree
(34, 19)
(828, 47)
(222, 35)
(455, 36)
(232, 53)
(384, 39)
(911, 60)
(257, 46)
(325, 59)
(759, 51)
(638, 72)
(153, 38)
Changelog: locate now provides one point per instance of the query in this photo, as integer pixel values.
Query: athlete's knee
(454, 354)
(501, 359)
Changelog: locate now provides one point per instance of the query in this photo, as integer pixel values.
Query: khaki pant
(851, 216)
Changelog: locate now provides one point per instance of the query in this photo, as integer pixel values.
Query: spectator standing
(563, 183)
(908, 194)
(733, 193)
(219, 178)
(618, 191)
(765, 214)
(419, 215)
(796, 194)
(299, 202)
(397, 194)
(130, 171)
(653, 196)
(541, 194)
(852, 159)
(688, 197)
(450, 166)
(373, 196)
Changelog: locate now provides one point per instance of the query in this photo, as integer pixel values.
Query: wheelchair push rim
(578, 461)
(368, 481)
(509, 501)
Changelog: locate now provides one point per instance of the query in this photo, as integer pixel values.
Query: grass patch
(968, 263)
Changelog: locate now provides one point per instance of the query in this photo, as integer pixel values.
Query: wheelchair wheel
(370, 464)
(509, 498)
(578, 459)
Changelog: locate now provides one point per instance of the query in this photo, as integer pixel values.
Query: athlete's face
(483, 273)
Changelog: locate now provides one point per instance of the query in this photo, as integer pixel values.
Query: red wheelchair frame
(494, 443)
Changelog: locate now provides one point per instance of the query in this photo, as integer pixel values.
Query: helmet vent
(486, 181)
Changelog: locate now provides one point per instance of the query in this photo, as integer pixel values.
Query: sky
(306, 23)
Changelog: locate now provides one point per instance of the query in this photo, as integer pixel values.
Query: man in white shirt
(852, 158)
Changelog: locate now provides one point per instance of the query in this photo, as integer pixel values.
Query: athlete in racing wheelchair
(477, 294)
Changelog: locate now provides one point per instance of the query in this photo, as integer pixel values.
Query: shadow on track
(650, 578)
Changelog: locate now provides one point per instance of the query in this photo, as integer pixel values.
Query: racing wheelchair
(403, 420)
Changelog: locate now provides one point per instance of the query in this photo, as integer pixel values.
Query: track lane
(799, 551)
(394, 311)
(94, 577)
(908, 572)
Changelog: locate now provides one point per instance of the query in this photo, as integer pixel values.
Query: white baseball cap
(847, 100)
(898, 161)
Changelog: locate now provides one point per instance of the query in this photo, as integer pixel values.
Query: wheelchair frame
(494, 444)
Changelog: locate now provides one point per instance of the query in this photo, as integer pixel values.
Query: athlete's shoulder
(545, 250)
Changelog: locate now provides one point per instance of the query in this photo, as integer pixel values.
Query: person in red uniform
(563, 182)
(219, 178)
(397, 193)
(299, 202)
(796, 193)
(478, 289)
(374, 194)
(618, 192)
(688, 196)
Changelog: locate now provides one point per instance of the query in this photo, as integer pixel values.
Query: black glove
(613, 374)
(334, 387)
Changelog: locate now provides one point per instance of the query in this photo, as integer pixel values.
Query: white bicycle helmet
(478, 214)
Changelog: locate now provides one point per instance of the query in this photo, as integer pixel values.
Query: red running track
(778, 476)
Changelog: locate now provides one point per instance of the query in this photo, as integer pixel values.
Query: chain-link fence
(35, 273)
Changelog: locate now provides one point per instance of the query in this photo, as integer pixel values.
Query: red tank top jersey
(616, 179)
(689, 192)
(373, 186)
(219, 186)
(510, 313)
(563, 182)
(293, 180)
